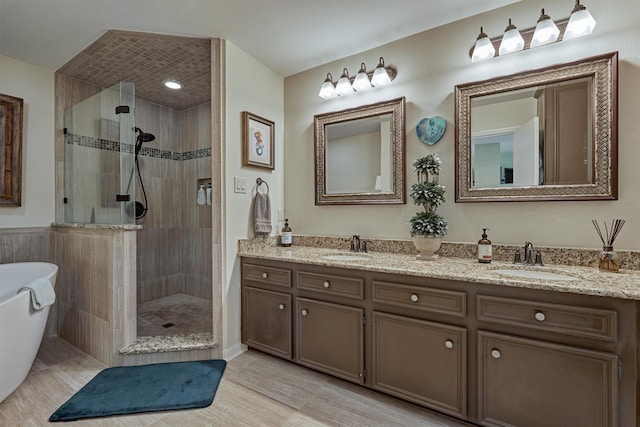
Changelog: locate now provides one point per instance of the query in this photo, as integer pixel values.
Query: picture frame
(258, 141)
(11, 110)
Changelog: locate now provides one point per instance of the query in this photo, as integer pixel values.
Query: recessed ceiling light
(172, 84)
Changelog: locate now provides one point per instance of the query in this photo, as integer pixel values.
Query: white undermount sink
(345, 257)
(535, 274)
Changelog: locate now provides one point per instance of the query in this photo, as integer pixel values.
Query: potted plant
(428, 227)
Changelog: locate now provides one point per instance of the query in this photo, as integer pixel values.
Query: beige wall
(429, 65)
(249, 86)
(35, 86)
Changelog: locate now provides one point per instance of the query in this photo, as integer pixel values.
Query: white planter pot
(427, 246)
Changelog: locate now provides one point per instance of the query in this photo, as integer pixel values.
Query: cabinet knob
(414, 297)
(540, 316)
(326, 284)
(281, 306)
(495, 353)
(305, 312)
(265, 275)
(448, 344)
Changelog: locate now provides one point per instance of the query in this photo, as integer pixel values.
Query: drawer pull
(265, 275)
(326, 284)
(305, 312)
(495, 353)
(414, 297)
(448, 344)
(540, 316)
(281, 306)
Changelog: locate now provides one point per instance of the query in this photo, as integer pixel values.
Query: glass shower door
(99, 157)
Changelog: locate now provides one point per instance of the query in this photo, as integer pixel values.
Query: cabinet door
(423, 362)
(330, 338)
(267, 321)
(525, 382)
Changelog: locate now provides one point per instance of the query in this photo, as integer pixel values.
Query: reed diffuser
(608, 259)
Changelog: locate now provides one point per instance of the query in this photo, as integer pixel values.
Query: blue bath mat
(146, 388)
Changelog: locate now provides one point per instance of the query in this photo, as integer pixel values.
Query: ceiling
(289, 36)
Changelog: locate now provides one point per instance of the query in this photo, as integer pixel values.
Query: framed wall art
(258, 145)
(10, 150)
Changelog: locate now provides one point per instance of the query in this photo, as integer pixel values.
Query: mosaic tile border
(105, 144)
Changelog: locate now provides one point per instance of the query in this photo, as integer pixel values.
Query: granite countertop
(588, 281)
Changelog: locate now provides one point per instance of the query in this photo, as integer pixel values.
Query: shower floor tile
(175, 314)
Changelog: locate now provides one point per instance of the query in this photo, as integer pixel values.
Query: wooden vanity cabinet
(330, 338)
(420, 361)
(525, 382)
(266, 313)
(492, 355)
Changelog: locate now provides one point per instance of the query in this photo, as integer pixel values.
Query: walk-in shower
(132, 162)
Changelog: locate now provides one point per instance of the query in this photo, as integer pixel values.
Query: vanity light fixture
(364, 80)
(581, 23)
(512, 41)
(172, 84)
(546, 32)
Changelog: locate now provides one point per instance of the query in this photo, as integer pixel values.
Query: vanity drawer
(578, 321)
(349, 287)
(420, 298)
(269, 275)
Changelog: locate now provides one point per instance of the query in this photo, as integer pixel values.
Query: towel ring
(259, 182)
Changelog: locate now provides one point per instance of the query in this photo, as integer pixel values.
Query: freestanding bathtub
(21, 327)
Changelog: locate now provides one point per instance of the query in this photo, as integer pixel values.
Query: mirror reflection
(360, 155)
(515, 136)
(369, 141)
(546, 134)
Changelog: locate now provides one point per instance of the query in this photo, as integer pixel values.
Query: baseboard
(233, 352)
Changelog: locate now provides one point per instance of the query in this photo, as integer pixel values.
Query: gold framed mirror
(11, 150)
(546, 134)
(360, 155)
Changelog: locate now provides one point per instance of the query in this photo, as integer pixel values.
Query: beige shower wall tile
(100, 278)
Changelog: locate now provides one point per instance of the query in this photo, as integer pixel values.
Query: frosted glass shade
(483, 49)
(344, 86)
(512, 41)
(581, 23)
(546, 32)
(361, 81)
(380, 77)
(327, 91)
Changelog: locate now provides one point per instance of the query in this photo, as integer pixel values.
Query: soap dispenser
(485, 250)
(202, 196)
(286, 238)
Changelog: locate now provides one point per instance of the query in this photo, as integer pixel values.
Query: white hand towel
(42, 293)
(262, 215)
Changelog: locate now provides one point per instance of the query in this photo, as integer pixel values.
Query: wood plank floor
(256, 390)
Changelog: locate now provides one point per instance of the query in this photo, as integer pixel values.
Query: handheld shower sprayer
(137, 209)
